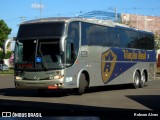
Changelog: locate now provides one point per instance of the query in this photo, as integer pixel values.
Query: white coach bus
(76, 53)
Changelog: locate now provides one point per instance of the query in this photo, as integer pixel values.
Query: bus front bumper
(39, 84)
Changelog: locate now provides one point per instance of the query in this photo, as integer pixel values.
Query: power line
(136, 8)
(22, 19)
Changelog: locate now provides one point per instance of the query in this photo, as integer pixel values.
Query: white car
(4, 67)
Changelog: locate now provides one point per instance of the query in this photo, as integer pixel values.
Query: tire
(136, 81)
(82, 84)
(143, 80)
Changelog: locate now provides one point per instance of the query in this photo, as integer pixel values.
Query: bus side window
(84, 38)
(113, 37)
(73, 37)
(70, 53)
(123, 37)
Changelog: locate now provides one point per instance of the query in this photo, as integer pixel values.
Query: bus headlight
(18, 78)
(58, 76)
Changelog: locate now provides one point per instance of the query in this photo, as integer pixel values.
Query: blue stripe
(126, 58)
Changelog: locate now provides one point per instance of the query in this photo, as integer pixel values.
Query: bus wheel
(82, 84)
(143, 80)
(136, 81)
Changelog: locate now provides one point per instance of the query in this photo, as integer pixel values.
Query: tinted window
(115, 37)
(132, 39)
(98, 35)
(144, 41)
(73, 36)
(123, 37)
(84, 29)
(150, 42)
(112, 37)
(41, 29)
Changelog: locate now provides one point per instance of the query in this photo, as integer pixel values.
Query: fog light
(58, 76)
(18, 78)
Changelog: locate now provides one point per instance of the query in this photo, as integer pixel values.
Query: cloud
(37, 6)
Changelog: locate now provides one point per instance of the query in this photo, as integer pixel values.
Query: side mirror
(5, 46)
(14, 38)
(62, 43)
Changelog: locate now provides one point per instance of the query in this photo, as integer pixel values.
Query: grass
(11, 71)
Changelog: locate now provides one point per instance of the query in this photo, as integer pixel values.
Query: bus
(77, 53)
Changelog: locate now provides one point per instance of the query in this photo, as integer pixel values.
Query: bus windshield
(38, 46)
(38, 54)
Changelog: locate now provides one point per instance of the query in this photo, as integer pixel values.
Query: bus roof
(88, 20)
(52, 19)
(69, 19)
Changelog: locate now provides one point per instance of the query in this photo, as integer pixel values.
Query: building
(147, 23)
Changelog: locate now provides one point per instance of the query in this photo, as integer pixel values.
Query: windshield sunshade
(37, 30)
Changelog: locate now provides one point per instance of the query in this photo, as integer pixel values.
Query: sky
(13, 12)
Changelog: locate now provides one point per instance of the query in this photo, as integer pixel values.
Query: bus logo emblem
(108, 64)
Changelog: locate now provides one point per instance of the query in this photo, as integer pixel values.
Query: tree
(4, 32)
(156, 36)
(157, 40)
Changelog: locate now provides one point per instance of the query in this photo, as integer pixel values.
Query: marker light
(52, 87)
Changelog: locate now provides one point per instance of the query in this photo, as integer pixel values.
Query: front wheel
(82, 84)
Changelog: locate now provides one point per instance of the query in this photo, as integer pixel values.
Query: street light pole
(115, 12)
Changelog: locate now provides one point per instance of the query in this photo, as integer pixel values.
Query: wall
(148, 23)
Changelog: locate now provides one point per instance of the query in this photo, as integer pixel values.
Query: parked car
(4, 67)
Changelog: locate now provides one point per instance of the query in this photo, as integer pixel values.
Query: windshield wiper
(44, 64)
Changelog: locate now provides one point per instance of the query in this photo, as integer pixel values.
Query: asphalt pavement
(97, 103)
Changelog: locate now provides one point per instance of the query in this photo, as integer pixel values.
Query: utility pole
(22, 19)
(115, 12)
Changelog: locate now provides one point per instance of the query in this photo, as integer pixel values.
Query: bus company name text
(134, 55)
